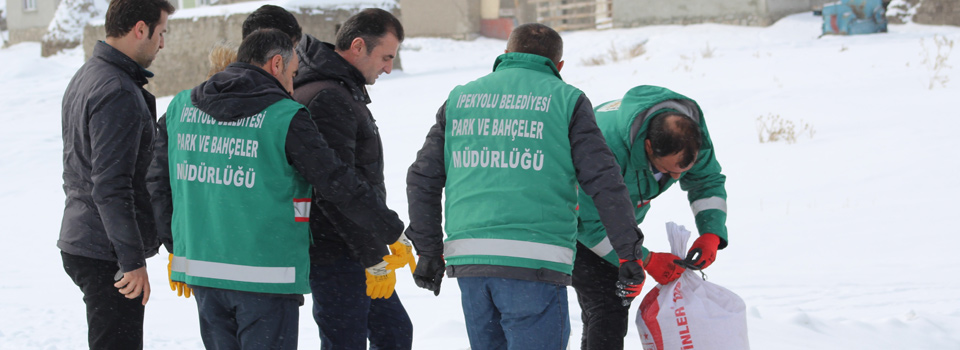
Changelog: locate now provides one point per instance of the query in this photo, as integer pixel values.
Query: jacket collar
(111, 55)
(320, 61)
(527, 61)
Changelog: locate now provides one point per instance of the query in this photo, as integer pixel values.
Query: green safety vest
(511, 187)
(240, 210)
(624, 125)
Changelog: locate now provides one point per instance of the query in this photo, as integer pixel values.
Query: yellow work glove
(380, 281)
(401, 254)
(181, 288)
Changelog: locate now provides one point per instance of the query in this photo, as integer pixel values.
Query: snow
(842, 240)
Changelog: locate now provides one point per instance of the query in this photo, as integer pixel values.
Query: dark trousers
(347, 317)
(234, 320)
(605, 319)
(113, 321)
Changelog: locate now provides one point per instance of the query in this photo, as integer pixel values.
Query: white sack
(690, 313)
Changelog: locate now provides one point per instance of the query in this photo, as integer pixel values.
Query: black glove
(630, 280)
(429, 273)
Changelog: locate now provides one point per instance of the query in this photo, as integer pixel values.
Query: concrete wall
(183, 62)
(938, 12)
(459, 19)
(632, 13)
(777, 9)
(29, 25)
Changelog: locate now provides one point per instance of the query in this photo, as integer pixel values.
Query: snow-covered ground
(843, 240)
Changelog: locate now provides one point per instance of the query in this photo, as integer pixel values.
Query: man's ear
(358, 46)
(141, 30)
(560, 65)
(276, 65)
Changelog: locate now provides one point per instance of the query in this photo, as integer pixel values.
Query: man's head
(537, 39)
(673, 141)
(272, 50)
(369, 41)
(273, 17)
(137, 27)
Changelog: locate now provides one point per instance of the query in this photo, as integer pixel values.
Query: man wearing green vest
(232, 194)
(509, 150)
(659, 138)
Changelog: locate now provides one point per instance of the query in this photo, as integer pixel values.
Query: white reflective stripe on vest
(708, 203)
(231, 272)
(508, 247)
(603, 248)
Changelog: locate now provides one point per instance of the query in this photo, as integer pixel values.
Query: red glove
(663, 267)
(703, 251)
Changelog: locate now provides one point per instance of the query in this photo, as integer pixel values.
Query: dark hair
(672, 135)
(261, 45)
(123, 15)
(370, 25)
(273, 17)
(537, 39)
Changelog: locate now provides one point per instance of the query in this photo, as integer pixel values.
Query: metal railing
(574, 14)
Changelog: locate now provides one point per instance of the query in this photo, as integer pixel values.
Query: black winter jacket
(334, 92)
(108, 125)
(243, 90)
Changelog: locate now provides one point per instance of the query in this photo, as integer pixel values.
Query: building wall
(938, 12)
(632, 13)
(777, 9)
(183, 62)
(29, 25)
(459, 19)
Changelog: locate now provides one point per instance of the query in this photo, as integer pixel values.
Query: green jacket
(511, 187)
(624, 124)
(240, 209)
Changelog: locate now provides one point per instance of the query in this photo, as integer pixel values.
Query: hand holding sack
(703, 251)
(181, 288)
(429, 273)
(663, 267)
(690, 313)
(380, 281)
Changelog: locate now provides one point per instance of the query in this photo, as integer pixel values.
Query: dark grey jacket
(108, 127)
(243, 90)
(597, 172)
(334, 91)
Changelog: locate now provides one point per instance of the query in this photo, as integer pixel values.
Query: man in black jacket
(331, 83)
(108, 230)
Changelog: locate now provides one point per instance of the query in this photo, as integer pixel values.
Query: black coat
(334, 92)
(243, 90)
(108, 126)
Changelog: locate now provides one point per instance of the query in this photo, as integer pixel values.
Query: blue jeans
(347, 317)
(512, 314)
(234, 320)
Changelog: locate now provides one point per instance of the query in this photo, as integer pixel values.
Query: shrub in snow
(937, 62)
(66, 29)
(773, 128)
(902, 11)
